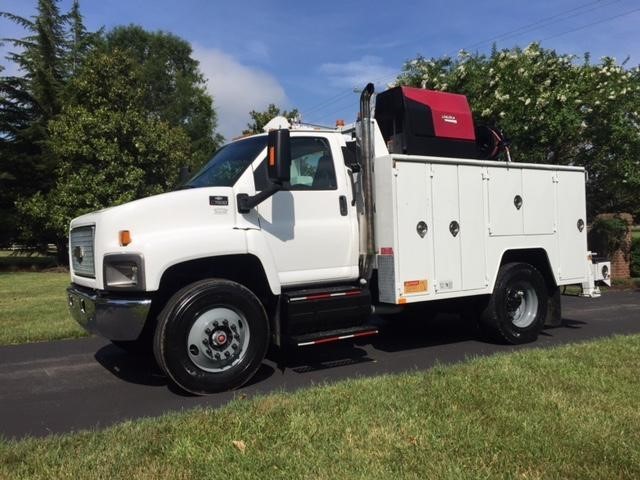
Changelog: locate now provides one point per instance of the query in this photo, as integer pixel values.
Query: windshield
(228, 163)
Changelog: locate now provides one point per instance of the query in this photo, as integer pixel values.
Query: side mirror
(278, 169)
(279, 156)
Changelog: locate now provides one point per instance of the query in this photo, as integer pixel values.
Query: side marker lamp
(125, 238)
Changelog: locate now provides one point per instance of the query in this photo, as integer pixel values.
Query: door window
(311, 166)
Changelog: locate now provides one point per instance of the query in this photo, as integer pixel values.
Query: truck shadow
(397, 333)
(142, 369)
(566, 323)
(421, 330)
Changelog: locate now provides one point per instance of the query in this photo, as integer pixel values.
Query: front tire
(211, 336)
(517, 308)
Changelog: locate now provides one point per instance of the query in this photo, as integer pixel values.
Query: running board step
(330, 309)
(334, 335)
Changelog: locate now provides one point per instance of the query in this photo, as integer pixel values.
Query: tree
(260, 119)
(172, 86)
(28, 102)
(112, 149)
(555, 109)
(79, 41)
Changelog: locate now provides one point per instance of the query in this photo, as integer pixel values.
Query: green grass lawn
(11, 261)
(569, 412)
(33, 307)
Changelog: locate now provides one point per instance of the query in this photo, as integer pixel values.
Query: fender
(536, 256)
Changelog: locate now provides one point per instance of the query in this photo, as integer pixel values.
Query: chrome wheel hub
(218, 339)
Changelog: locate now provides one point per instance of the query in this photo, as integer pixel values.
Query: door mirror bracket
(246, 202)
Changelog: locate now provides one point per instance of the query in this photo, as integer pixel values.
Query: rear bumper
(114, 318)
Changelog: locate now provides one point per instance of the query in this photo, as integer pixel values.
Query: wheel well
(246, 270)
(533, 256)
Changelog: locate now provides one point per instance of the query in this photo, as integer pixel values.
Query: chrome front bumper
(113, 318)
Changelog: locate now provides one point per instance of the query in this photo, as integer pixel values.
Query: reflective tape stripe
(320, 296)
(337, 338)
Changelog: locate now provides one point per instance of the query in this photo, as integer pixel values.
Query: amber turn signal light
(272, 156)
(125, 238)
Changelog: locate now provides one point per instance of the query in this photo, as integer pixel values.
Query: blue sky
(312, 55)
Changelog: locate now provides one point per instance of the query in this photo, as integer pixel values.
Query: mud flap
(554, 308)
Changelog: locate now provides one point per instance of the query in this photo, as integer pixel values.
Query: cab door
(311, 226)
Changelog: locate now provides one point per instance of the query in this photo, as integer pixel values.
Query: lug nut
(227, 354)
(205, 342)
(217, 356)
(208, 352)
(216, 324)
(207, 331)
(236, 336)
(225, 322)
(234, 346)
(233, 327)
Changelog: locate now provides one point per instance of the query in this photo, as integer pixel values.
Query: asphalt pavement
(63, 386)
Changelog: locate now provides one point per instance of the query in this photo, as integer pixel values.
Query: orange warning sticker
(415, 286)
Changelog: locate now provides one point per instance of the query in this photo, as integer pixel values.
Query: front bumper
(120, 318)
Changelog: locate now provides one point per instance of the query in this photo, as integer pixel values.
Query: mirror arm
(246, 202)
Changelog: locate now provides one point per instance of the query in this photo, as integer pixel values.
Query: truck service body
(295, 236)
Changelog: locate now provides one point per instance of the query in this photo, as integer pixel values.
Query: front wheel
(211, 336)
(517, 308)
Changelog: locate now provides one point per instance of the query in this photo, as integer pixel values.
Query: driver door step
(320, 310)
(334, 335)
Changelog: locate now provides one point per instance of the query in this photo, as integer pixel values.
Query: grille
(81, 243)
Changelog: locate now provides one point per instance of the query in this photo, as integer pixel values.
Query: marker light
(272, 156)
(125, 238)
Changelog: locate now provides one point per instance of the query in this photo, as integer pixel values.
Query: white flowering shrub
(555, 109)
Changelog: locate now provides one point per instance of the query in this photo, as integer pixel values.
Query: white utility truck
(297, 235)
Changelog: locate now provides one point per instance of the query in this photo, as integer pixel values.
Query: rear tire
(517, 309)
(211, 336)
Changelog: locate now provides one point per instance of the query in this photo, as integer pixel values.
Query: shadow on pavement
(421, 330)
(416, 330)
(140, 369)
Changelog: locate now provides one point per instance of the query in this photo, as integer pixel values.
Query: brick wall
(621, 258)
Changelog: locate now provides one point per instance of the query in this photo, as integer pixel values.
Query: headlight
(123, 271)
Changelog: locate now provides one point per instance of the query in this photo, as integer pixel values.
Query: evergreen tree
(28, 102)
(79, 41)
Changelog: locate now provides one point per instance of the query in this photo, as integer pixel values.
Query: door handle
(343, 206)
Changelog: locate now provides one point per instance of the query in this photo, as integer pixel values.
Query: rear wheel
(211, 336)
(516, 311)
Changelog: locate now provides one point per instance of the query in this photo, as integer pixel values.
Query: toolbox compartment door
(572, 242)
(505, 218)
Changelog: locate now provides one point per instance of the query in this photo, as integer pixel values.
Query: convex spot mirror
(279, 156)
